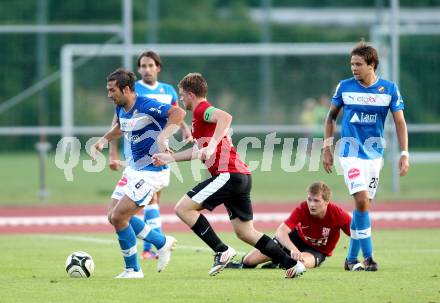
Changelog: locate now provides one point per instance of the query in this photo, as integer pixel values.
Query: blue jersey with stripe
(364, 113)
(162, 92)
(141, 126)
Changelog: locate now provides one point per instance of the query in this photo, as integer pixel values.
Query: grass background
(32, 270)
(19, 175)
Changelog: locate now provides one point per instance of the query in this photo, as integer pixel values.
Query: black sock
(244, 265)
(268, 247)
(203, 229)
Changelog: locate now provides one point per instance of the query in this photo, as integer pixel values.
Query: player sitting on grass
(309, 235)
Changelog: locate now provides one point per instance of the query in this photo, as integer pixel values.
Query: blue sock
(145, 233)
(363, 227)
(153, 220)
(127, 241)
(355, 245)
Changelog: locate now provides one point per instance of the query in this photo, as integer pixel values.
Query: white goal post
(181, 50)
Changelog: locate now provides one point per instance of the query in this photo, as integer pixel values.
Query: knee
(109, 217)
(244, 235)
(362, 203)
(116, 219)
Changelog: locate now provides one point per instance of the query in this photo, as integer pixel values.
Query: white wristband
(404, 153)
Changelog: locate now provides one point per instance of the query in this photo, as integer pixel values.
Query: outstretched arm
(402, 136)
(329, 131)
(175, 118)
(167, 158)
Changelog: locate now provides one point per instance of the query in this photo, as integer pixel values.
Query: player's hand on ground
(162, 159)
(327, 160)
(403, 165)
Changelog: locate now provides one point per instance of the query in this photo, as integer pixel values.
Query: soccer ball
(79, 265)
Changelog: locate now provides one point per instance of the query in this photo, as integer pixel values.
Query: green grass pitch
(32, 270)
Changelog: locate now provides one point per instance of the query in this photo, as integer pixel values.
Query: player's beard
(149, 80)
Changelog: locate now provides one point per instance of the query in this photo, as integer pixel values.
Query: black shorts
(231, 189)
(303, 247)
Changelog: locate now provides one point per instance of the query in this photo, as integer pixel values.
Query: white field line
(214, 218)
(95, 240)
(115, 242)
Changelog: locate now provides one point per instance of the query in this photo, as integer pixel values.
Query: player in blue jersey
(149, 66)
(146, 124)
(366, 99)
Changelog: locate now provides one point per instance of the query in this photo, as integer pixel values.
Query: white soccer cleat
(164, 254)
(295, 271)
(221, 259)
(129, 273)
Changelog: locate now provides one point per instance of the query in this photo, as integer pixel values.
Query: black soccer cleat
(353, 265)
(221, 259)
(370, 264)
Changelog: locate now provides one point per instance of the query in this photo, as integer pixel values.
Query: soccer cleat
(295, 271)
(149, 254)
(221, 259)
(370, 264)
(353, 265)
(129, 273)
(234, 265)
(164, 254)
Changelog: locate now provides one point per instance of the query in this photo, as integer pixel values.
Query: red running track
(391, 210)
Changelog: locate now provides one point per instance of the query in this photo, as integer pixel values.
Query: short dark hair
(194, 83)
(369, 53)
(320, 188)
(149, 54)
(123, 78)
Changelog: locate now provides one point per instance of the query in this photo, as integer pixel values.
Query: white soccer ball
(79, 265)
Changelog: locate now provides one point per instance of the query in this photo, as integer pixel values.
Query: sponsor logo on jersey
(364, 118)
(325, 232)
(155, 110)
(369, 99)
(354, 185)
(366, 99)
(353, 173)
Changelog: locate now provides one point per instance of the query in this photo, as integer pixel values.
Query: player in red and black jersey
(311, 232)
(230, 183)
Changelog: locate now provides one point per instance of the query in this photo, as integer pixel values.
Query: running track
(92, 218)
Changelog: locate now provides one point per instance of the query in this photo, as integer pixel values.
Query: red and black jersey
(321, 234)
(225, 159)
